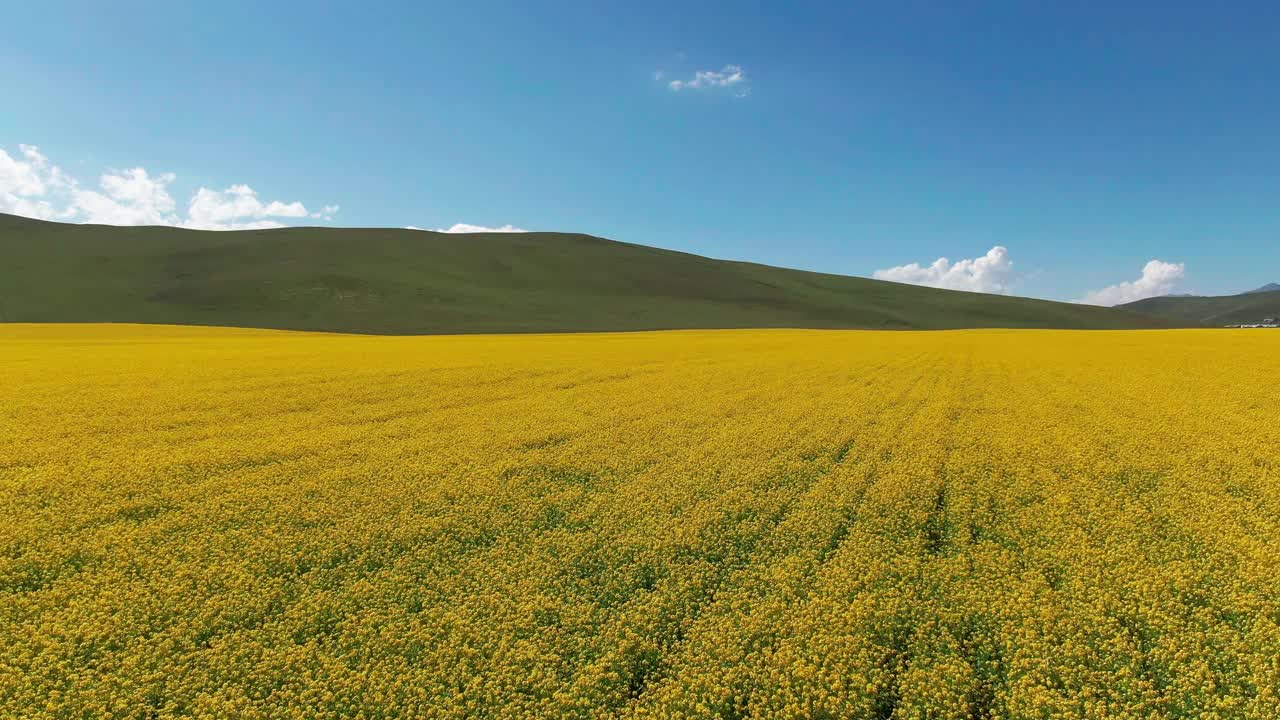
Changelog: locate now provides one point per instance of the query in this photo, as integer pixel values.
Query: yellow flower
(234, 523)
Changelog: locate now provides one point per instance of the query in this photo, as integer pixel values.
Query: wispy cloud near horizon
(458, 228)
(32, 186)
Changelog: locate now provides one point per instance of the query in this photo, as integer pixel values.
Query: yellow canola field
(737, 524)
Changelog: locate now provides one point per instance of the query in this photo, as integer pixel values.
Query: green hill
(407, 281)
(1250, 307)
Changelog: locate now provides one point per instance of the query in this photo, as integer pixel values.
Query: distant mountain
(1269, 287)
(1246, 308)
(412, 282)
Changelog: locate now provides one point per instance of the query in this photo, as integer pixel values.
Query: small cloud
(459, 228)
(991, 273)
(465, 228)
(730, 76)
(1158, 278)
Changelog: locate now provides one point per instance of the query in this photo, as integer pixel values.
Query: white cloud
(991, 273)
(25, 176)
(1158, 278)
(465, 228)
(33, 187)
(237, 208)
(27, 180)
(128, 197)
(730, 76)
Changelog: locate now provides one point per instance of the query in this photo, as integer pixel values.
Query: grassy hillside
(1222, 310)
(405, 281)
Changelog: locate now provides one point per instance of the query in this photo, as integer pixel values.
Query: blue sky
(1086, 139)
